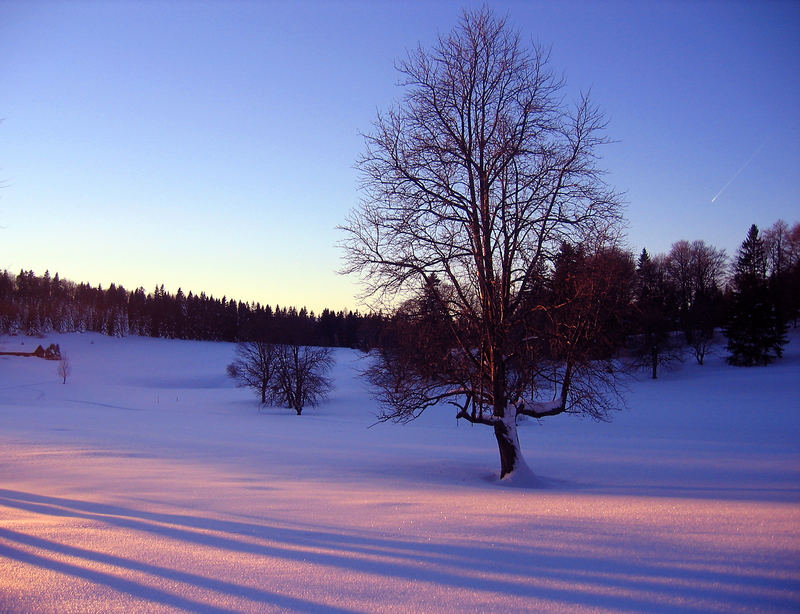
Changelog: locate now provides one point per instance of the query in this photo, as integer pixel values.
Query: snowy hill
(149, 483)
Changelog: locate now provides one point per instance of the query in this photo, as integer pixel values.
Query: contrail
(737, 173)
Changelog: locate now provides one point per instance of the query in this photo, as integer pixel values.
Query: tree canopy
(472, 184)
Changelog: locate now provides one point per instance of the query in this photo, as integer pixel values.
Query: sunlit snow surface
(148, 483)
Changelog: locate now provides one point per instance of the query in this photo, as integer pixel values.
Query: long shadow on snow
(700, 493)
(107, 405)
(147, 592)
(450, 473)
(98, 577)
(403, 559)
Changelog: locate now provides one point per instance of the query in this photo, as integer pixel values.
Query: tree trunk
(509, 453)
(511, 459)
(654, 360)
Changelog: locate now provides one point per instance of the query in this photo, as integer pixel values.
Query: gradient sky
(210, 145)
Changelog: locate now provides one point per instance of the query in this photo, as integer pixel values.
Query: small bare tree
(288, 374)
(301, 376)
(696, 272)
(64, 367)
(255, 367)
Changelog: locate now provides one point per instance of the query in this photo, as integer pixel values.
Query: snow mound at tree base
(523, 477)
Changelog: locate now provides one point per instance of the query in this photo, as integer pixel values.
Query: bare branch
(475, 180)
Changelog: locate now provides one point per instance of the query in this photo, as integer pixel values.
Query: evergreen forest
(671, 305)
(38, 304)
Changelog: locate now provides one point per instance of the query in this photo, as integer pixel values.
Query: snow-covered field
(148, 483)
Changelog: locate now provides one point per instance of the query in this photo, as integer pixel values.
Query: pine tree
(755, 334)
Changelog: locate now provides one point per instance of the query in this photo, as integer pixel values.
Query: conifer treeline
(673, 301)
(37, 305)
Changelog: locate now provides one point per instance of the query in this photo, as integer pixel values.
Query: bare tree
(655, 344)
(64, 367)
(471, 186)
(696, 271)
(301, 376)
(778, 244)
(288, 374)
(782, 244)
(255, 367)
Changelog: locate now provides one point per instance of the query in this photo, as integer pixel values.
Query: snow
(149, 483)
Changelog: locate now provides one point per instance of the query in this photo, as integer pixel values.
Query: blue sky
(210, 145)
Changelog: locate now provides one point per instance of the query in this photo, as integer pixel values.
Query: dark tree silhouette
(695, 272)
(476, 179)
(37, 305)
(782, 245)
(256, 367)
(755, 333)
(655, 344)
(301, 376)
(286, 374)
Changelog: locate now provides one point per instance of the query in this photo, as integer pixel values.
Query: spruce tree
(755, 334)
